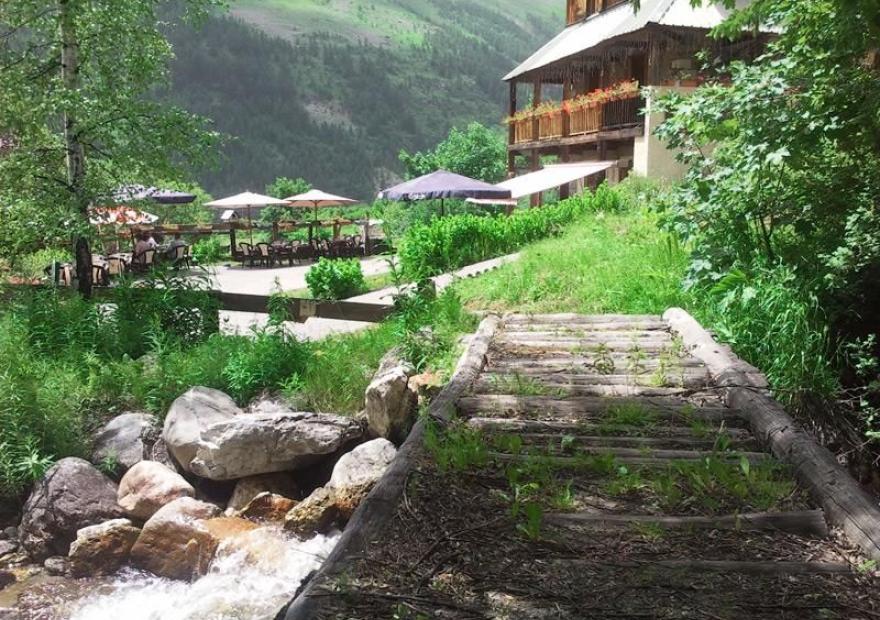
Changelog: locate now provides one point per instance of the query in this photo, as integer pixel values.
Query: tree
(80, 98)
(281, 188)
(477, 152)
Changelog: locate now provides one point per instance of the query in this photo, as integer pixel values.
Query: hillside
(331, 90)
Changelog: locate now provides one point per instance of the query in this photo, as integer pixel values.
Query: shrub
(336, 279)
(210, 250)
(452, 242)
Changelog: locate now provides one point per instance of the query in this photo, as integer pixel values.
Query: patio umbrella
(246, 200)
(138, 193)
(442, 185)
(317, 199)
(120, 215)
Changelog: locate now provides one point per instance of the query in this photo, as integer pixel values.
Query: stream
(252, 577)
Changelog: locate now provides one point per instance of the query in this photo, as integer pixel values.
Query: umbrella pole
(251, 224)
(442, 207)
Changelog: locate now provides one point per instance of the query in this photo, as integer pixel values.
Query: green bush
(210, 250)
(452, 242)
(336, 279)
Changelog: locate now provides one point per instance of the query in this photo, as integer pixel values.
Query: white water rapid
(251, 578)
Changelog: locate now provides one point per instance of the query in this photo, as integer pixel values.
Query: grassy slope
(605, 264)
(395, 22)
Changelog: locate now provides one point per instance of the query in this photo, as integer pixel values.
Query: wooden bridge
(604, 467)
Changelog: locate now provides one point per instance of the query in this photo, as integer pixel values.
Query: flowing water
(251, 578)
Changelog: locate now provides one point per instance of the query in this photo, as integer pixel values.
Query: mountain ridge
(335, 108)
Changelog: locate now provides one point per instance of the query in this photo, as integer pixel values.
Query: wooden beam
(380, 506)
(801, 523)
(845, 503)
(624, 133)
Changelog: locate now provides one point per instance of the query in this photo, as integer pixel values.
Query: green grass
(603, 264)
(374, 283)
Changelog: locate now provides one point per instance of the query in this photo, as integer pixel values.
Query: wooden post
(565, 190)
(367, 235)
(232, 244)
(511, 131)
(536, 199)
(536, 101)
(274, 231)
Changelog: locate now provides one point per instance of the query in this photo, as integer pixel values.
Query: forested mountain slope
(337, 87)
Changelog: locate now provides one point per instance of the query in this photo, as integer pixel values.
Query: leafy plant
(336, 279)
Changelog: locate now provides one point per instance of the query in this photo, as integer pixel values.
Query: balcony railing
(580, 121)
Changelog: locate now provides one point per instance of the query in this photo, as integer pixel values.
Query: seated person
(177, 242)
(142, 245)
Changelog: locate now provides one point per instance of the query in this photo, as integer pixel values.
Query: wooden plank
(484, 386)
(301, 309)
(512, 319)
(693, 379)
(645, 326)
(593, 407)
(845, 503)
(380, 505)
(724, 566)
(801, 523)
(574, 363)
(633, 441)
(589, 138)
(630, 456)
(578, 428)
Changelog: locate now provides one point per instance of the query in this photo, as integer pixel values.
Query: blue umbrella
(441, 185)
(138, 193)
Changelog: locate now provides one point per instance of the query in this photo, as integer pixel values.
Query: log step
(565, 318)
(724, 566)
(484, 386)
(562, 362)
(802, 523)
(593, 408)
(631, 456)
(693, 379)
(635, 442)
(560, 428)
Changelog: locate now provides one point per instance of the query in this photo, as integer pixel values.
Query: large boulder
(72, 495)
(252, 444)
(190, 415)
(125, 440)
(389, 404)
(248, 488)
(364, 465)
(175, 543)
(148, 486)
(102, 549)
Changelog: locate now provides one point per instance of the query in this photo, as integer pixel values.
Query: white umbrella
(246, 200)
(316, 198)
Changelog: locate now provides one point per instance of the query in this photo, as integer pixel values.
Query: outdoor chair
(265, 255)
(181, 257)
(304, 252)
(100, 277)
(115, 266)
(245, 254)
(144, 261)
(283, 252)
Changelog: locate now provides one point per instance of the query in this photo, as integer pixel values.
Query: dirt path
(593, 473)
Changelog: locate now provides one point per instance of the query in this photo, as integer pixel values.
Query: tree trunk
(76, 159)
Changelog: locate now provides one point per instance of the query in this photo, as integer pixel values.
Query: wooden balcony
(588, 124)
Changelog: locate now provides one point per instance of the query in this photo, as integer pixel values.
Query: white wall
(651, 158)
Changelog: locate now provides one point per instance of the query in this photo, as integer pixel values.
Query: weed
(563, 498)
(604, 361)
(530, 526)
(629, 415)
(649, 530)
(455, 447)
(519, 385)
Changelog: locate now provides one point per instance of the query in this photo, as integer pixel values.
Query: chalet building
(586, 95)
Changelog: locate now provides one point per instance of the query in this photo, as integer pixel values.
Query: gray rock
(56, 565)
(11, 533)
(270, 405)
(364, 465)
(148, 486)
(391, 360)
(102, 549)
(126, 439)
(72, 495)
(389, 405)
(248, 488)
(7, 578)
(159, 453)
(8, 546)
(188, 418)
(248, 445)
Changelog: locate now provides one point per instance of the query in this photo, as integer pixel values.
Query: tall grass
(619, 263)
